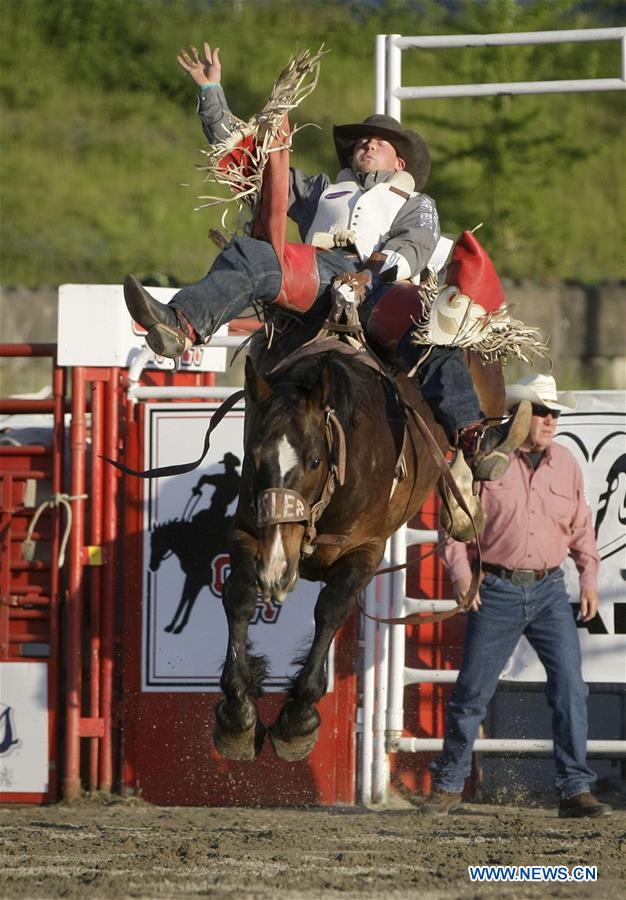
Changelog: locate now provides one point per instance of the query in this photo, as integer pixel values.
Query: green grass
(99, 133)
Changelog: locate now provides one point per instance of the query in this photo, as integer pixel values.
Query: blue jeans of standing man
(541, 612)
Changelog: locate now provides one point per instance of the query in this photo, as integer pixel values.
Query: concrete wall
(586, 326)
(26, 316)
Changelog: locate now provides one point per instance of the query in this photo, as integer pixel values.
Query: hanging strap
(448, 478)
(181, 468)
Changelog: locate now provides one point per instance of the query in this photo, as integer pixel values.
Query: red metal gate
(432, 646)
(31, 477)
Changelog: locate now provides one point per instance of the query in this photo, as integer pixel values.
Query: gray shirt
(413, 233)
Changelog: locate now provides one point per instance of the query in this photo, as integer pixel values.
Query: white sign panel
(186, 523)
(596, 434)
(23, 728)
(95, 329)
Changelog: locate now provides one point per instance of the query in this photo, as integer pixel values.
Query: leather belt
(518, 576)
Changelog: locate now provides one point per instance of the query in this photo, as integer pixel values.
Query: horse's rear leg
(193, 586)
(238, 732)
(173, 626)
(191, 589)
(296, 729)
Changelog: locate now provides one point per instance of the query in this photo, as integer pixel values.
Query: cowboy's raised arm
(218, 122)
(206, 73)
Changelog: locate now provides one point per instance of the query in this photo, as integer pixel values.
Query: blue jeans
(541, 612)
(445, 383)
(247, 271)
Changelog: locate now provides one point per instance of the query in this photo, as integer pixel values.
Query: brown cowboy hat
(409, 146)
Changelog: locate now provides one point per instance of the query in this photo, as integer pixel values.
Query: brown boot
(440, 803)
(487, 448)
(581, 806)
(169, 332)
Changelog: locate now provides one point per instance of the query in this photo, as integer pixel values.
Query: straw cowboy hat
(408, 144)
(540, 389)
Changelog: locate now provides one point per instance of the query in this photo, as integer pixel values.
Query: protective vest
(369, 214)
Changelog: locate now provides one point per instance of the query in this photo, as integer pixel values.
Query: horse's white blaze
(277, 561)
(287, 457)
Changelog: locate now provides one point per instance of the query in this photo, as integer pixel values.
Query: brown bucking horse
(321, 493)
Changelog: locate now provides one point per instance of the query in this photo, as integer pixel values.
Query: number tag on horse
(278, 505)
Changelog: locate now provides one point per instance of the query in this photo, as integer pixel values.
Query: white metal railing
(389, 47)
(507, 746)
(135, 391)
(385, 672)
(383, 664)
(162, 392)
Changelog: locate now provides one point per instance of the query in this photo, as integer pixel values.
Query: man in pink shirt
(536, 514)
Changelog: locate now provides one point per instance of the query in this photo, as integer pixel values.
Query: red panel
(434, 646)
(174, 761)
(34, 798)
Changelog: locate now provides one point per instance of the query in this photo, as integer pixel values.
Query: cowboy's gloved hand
(353, 285)
(329, 240)
(342, 237)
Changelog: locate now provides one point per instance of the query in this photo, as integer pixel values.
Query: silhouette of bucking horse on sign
(196, 544)
(200, 541)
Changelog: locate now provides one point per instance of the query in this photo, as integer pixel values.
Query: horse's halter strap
(276, 506)
(336, 443)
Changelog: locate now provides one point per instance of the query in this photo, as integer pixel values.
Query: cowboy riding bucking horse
(370, 233)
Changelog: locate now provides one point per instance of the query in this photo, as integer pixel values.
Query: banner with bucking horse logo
(187, 518)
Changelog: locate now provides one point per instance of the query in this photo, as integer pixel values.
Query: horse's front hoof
(242, 745)
(294, 749)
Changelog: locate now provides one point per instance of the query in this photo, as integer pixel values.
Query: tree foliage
(99, 135)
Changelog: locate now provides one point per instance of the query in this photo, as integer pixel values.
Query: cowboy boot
(582, 806)
(441, 803)
(169, 332)
(487, 448)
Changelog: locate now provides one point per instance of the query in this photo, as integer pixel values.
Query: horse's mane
(349, 381)
(161, 526)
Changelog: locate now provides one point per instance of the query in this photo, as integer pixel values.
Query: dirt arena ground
(127, 848)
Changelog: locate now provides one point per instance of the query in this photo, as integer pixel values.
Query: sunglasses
(544, 411)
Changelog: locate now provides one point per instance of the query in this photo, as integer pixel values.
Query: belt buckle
(522, 577)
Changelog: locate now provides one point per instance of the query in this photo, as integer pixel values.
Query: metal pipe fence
(388, 60)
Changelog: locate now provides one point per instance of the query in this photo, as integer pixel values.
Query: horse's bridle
(276, 506)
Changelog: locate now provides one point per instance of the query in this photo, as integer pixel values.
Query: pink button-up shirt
(533, 518)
